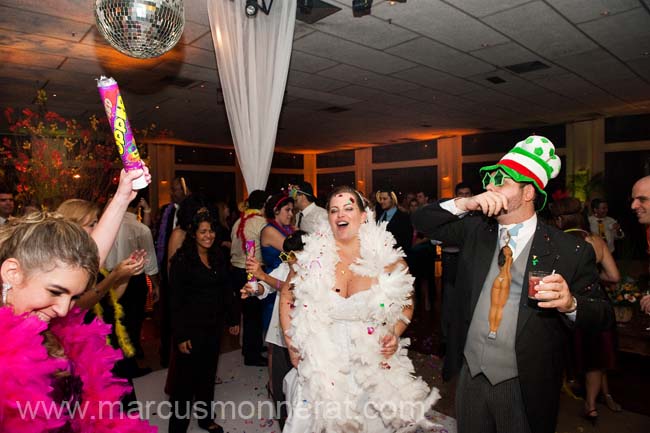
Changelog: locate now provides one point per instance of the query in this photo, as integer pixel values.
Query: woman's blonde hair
(41, 240)
(78, 210)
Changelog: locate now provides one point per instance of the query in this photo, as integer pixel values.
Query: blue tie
(508, 236)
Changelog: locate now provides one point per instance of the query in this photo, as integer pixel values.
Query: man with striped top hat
(509, 349)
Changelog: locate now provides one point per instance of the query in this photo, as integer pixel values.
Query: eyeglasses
(288, 257)
(497, 178)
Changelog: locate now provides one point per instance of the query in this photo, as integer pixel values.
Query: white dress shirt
(525, 234)
(274, 334)
(313, 217)
(133, 235)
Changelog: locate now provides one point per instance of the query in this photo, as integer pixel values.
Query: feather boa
(121, 333)
(385, 388)
(27, 373)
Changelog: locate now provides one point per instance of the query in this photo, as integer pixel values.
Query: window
(287, 160)
(405, 151)
(408, 180)
(341, 158)
(204, 156)
(627, 128)
(503, 141)
(327, 182)
(216, 186)
(278, 181)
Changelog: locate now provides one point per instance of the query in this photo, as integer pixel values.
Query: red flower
(57, 161)
(9, 112)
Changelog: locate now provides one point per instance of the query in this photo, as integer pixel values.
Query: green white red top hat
(532, 160)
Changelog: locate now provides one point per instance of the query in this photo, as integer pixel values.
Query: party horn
(250, 252)
(116, 113)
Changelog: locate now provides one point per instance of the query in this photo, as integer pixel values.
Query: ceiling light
(252, 6)
(140, 28)
(361, 7)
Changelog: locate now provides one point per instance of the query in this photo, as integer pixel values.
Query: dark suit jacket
(541, 334)
(168, 227)
(400, 227)
(203, 299)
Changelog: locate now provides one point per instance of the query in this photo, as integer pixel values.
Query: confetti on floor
(245, 387)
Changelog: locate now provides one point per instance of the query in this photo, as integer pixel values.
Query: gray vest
(496, 358)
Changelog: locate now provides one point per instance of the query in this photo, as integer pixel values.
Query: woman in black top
(202, 302)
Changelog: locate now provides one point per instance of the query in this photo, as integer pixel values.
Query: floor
(251, 409)
(630, 383)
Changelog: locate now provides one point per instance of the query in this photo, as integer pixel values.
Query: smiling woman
(46, 263)
(352, 302)
(203, 303)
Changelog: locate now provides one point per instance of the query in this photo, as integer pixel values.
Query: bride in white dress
(351, 303)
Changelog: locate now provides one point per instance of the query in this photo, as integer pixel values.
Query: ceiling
(410, 71)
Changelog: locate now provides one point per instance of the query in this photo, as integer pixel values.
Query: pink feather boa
(27, 372)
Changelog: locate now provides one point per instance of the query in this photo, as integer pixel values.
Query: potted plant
(625, 295)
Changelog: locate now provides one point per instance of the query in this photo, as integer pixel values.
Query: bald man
(641, 207)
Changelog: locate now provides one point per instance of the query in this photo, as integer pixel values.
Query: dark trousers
(280, 366)
(449, 270)
(127, 368)
(485, 408)
(133, 302)
(252, 340)
(165, 322)
(193, 380)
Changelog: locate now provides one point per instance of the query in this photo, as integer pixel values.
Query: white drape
(253, 60)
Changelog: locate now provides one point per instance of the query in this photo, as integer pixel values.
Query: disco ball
(140, 28)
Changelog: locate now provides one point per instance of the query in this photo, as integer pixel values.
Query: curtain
(253, 61)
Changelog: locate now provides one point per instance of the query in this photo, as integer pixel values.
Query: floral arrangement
(49, 158)
(626, 292)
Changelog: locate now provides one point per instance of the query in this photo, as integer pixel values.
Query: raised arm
(108, 225)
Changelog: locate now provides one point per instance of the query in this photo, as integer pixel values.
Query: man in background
(310, 215)
(6, 203)
(399, 223)
(166, 224)
(249, 228)
(422, 198)
(604, 226)
(133, 235)
(449, 268)
(641, 207)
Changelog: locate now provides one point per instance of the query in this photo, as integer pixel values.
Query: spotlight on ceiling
(252, 6)
(361, 7)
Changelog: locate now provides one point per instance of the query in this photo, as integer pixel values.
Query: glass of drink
(534, 281)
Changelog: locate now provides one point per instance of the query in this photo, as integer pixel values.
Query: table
(633, 336)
